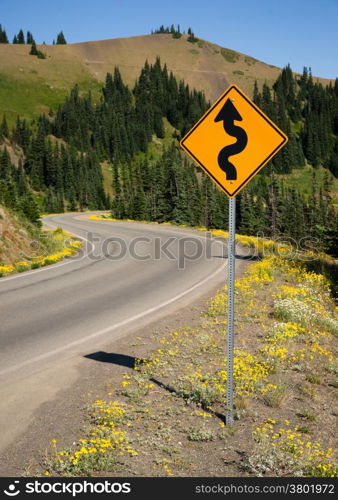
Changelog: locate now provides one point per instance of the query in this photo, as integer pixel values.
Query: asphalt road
(126, 275)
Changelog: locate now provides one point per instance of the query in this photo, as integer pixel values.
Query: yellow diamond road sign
(233, 140)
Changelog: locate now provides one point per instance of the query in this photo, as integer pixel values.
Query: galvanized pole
(231, 310)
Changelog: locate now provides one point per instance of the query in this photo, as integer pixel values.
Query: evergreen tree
(247, 213)
(60, 39)
(191, 36)
(21, 37)
(5, 165)
(29, 38)
(332, 162)
(30, 209)
(3, 35)
(256, 95)
(21, 180)
(8, 196)
(4, 132)
(140, 205)
(34, 50)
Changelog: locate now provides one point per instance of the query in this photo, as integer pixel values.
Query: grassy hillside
(302, 180)
(29, 85)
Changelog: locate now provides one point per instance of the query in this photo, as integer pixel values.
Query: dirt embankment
(15, 241)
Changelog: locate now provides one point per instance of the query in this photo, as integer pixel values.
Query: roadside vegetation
(316, 261)
(24, 246)
(167, 414)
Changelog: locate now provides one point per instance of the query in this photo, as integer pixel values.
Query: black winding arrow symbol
(228, 115)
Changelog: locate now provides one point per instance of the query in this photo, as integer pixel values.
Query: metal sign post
(210, 143)
(231, 311)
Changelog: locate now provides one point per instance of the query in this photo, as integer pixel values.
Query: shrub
(22, 266)
(275, 395)
(307, 415)
(283, 451)
(200, 434)
(313, 379)
(229, 55)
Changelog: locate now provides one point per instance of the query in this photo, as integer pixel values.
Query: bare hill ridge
(41, 83)
(203, 65)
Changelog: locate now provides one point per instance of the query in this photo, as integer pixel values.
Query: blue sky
(299, 32)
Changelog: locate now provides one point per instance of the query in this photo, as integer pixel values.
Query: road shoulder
(54, 412)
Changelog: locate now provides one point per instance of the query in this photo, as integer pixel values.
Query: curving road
(61, 311)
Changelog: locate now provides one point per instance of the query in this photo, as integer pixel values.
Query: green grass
(307, 415)
(30, 97)
(155, 148)
(304, 429)
(296, 127)
(107, 177)
(302, 180)
(313, 379)
(26, 98)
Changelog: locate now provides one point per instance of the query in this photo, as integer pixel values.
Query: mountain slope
(15, 240)
(29, 85)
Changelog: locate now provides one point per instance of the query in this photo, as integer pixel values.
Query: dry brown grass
(15, 242)
(204, 66)
(14, 151)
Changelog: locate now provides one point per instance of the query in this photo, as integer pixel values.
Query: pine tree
(191, 36)
(140, 205)
(332, 162)
(3, 35)
(21, 180)
(177, 33)
(256, 95)
(5, 164)
(30, 209)
(29, 38)
(21, 37)
(247, 214)
(34, 51)
(8, 196)
(4, 132)
(60, 39)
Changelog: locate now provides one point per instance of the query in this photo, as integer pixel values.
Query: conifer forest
(62, 154)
